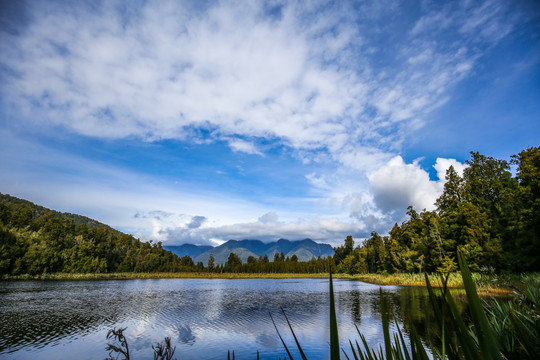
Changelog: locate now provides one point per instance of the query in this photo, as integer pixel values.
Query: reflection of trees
(359, 303)
(412, 306)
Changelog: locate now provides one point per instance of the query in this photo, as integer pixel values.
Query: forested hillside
(35, 240)
(491, 214)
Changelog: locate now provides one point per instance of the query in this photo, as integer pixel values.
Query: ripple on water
(203, 317)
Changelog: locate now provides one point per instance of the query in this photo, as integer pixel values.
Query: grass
(487, 285)
(458, 340)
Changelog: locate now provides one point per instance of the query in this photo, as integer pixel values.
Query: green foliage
(516, 323)
(491, 216)
(36, 241)
(341, 252)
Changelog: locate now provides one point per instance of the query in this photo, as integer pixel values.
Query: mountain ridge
(304, 249)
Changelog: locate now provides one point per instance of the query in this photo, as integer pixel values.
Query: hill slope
(35, 240)
(28, 208)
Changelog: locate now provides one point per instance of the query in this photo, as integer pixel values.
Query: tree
(341, 252)
(186, 261)
(489, 185)
(233, 263)
(211, 261)
(375, 253)
(452, 194)
(527, 222)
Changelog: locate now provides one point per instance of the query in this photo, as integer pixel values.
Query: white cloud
(306, 76)
(442, 165)
(238, 145)
(329, 230)
(329, 81)
(396, 185)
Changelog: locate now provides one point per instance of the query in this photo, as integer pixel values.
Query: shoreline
(486, 284)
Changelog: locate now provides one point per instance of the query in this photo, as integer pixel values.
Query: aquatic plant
(458, 341)
(120, 347)
(517, 323)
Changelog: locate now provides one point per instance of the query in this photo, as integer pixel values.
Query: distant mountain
(305, 250)
(188, 250)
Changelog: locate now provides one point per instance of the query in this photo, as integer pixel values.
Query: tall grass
(458, 340)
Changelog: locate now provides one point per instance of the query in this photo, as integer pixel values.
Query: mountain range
(305, 250)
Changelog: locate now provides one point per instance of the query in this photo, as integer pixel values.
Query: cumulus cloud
(269, 217)
(396, 185)
(196, 222)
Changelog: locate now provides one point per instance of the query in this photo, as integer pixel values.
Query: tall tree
(488, 184)
(341, 252)
(211, 262)
(527, 242)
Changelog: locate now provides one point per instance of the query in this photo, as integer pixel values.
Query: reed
(479, 341)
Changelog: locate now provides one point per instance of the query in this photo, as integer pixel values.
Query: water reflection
(204, 318)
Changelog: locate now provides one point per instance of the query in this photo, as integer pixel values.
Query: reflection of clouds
(268, 340)
(205, 318)
(214, 303)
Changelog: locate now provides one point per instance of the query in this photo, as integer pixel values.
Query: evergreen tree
(211, 261)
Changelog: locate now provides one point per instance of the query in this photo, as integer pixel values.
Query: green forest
(491, 213)
(35, 240)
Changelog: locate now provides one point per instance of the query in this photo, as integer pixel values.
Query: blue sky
(206, 121)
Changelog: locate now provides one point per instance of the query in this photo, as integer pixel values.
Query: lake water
(203, 317)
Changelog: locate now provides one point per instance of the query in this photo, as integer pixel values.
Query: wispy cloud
(243, 70)
(339, 84)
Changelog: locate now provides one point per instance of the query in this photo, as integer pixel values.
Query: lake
(203, 317)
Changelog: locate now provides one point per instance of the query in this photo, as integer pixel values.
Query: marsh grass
(489, 285)
(458, 340)
(486, 284)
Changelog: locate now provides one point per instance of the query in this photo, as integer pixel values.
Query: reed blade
(294, 335)
(334, 338)
(282, 341)
(486, 339)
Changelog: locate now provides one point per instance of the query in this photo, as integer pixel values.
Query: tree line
(489, 213)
